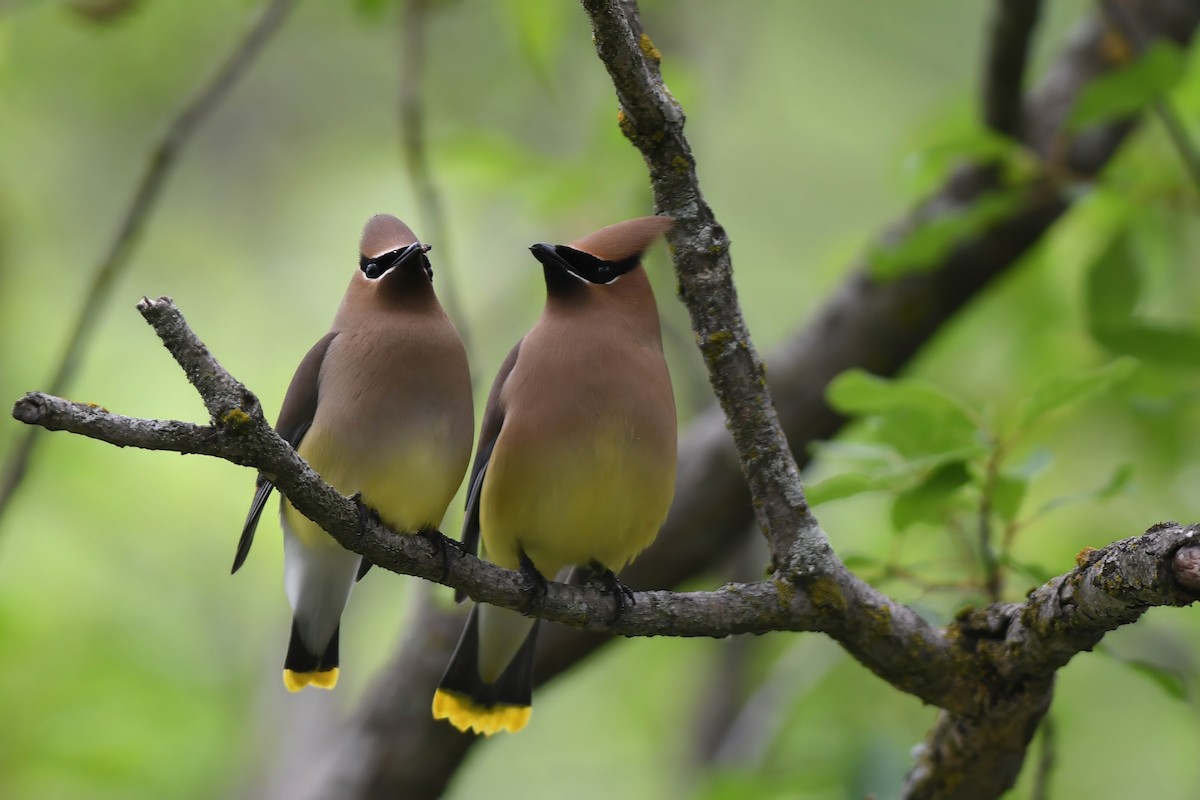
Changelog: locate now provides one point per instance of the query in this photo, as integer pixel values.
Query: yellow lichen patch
(786, 591)
(680, 164)
(879, 618)
(96, 407)
(649, 50)
(715, 344)
(235, 417)
(626, 125)
(1084, 557)
(466, 715)
(826, 595)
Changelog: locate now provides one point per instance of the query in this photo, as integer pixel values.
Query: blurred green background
(133, 666)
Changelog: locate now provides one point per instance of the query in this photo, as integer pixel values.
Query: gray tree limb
(886, 323)
(877, 325)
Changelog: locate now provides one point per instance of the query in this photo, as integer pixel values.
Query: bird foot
(365, 513)
(623, 596)
(535, 585)
(441, 545)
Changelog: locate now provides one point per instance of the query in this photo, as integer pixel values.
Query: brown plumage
(381, 405)
(576, 462)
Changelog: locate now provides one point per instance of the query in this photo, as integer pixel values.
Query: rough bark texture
(653, 121)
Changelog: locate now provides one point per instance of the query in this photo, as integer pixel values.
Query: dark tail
(303, 668)
(469, 704)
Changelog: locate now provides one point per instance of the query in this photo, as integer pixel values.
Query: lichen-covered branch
(870, 322)
(240, 434)
(1110, 587)
(981, 666)
(971, 757)
(653, 121)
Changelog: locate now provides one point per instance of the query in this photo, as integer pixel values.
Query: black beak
(584, 266)
(549, 256)
(375, 268)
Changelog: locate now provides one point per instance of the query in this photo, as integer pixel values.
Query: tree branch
(875, 324)
(653, 121)
(886, 323)
(1112, 586)
(985, 664)
(162, 161)
(1011, 30)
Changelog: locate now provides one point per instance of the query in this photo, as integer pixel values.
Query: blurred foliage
(134, 667)
(947, 466)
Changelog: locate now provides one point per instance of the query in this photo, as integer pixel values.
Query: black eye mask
(375, 267)
(584, 266)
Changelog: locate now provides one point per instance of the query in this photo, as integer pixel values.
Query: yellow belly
(410, 484)
(603, 501)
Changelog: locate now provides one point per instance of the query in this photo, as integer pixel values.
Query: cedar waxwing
(576, 460)
(381, 406)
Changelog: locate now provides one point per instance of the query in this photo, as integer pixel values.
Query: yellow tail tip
(467, 715)
(295, 681)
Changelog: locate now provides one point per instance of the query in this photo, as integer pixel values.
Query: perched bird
(381, 406)
(576, 459)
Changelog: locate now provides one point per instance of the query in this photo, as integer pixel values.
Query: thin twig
(993, 580)
(145, 198)
(1012, 27)
(414, 32)
(1045, 762)
(1163, 108)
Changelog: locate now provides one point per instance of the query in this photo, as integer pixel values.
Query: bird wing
(493, 421)
(295, 418)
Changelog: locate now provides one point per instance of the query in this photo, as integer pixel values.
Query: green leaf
(371, 8)
(856, 391)
(1118, 481)
(916, 418)
(838, 487)
(1126, 90)
(976, 143)
(857, 562)
(1038, 460)
(1008, 491)
(1062, 390)
(1160, 344)
(871, 457)
(1106, 491)
(926, 245)
(1171, 680)
(1113, 284)
(926, 502)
